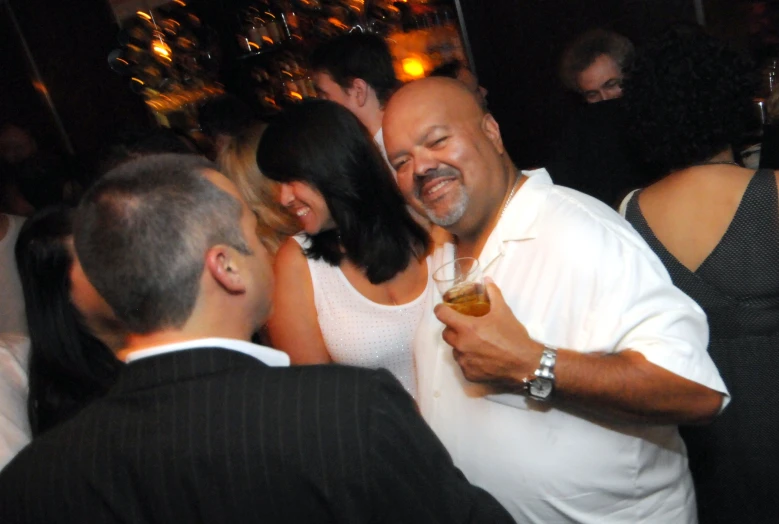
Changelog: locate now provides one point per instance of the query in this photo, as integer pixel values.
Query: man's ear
(360, 91)
(491, 128)
(224, 266)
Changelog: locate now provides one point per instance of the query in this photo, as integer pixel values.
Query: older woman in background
(715, 226)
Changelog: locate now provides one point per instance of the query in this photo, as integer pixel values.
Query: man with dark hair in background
(356, 71)
(203, 426)
(595, 63)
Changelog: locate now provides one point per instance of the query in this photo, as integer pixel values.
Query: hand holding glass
(462, 285)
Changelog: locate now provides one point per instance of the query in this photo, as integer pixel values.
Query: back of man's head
(357, 55)
(141, 233)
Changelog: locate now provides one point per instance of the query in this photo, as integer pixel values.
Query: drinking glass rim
(474, 267)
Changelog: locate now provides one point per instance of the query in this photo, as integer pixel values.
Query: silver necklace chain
(511, 195)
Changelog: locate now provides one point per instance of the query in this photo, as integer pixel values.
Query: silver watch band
(548, 360)
(541, 384)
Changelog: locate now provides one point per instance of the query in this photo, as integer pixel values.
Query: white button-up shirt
(578, 277)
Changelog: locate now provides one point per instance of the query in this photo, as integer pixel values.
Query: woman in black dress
(715, 226)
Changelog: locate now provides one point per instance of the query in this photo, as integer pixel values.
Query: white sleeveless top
(360, 332)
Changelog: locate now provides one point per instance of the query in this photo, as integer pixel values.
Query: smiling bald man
(563, 400)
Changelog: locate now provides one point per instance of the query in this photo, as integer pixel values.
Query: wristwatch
(541, 384)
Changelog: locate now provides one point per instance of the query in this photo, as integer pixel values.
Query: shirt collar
(518, 220)
(268, 356)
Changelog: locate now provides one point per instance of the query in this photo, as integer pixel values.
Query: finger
(449, 316)
(458, 356)
(493, 293)
(466, 366)
(450, 337)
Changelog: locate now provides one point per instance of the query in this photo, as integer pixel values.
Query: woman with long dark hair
(352, 287)
(69, 364)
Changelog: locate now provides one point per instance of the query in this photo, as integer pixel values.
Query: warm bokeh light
(144, 15)
(41, 88)
(175, 101)
(413, 67)
(161, 49)
(337, 23)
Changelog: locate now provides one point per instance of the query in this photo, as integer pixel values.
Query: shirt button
(437, 394)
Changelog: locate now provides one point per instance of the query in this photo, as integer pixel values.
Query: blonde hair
(238, 162)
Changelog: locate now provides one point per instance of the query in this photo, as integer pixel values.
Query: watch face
(541, 388)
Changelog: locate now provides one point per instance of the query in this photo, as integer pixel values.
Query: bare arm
(293, 326)
(627, 386)
(496, 349)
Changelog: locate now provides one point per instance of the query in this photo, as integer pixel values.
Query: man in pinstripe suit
(203, 426)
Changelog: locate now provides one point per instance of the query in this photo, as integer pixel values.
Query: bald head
(447, 151)
(434, 94)
(430, 101)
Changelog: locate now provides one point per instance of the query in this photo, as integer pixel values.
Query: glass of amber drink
(462, 285)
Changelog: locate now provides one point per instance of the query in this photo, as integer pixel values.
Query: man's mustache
(432, 174)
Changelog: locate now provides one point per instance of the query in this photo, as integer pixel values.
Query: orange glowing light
(143, 14)
(295, 94)
(138, 80)
(161, 49)
(337, 23)
(38, 86)
(413, 67)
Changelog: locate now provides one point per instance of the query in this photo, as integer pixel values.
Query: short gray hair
(141, 233)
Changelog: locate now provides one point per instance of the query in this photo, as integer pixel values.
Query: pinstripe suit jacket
(213, 435)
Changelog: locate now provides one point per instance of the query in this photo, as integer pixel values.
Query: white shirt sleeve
(655, 318)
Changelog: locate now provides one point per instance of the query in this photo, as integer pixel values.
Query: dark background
(516, 46)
